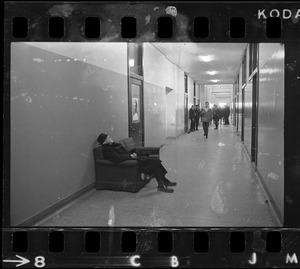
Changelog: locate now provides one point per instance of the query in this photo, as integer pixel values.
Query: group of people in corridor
(217, 114)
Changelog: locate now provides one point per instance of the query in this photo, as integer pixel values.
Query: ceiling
(225, 59)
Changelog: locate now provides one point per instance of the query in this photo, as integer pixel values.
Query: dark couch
(124, 176)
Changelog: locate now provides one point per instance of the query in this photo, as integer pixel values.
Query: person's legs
(215, 122)
(159, 173)
(205, 127)
(207, 130)
(163, 183)
(169, 183)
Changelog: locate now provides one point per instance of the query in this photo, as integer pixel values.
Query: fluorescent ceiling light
(214, 80)
(205, 58)
(211, 72)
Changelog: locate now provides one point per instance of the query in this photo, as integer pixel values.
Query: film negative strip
(59, 55)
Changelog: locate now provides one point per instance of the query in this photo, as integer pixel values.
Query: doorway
(136, 93)
(136, 115)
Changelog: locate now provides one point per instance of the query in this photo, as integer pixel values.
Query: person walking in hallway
(197, 117)
(116, 153)
(206, 116)
(216, 116)
(226, 113)
(192, 118)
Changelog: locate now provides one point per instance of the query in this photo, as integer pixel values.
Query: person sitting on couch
(116, 153)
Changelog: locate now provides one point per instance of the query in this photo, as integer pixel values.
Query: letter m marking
(292, 259)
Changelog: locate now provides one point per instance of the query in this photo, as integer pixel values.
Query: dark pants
(226, 120)
(196, 123)
(216, 120)
(205, 128)
(153, 166)
(192, 125)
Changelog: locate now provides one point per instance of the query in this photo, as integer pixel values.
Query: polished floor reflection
(216, 187)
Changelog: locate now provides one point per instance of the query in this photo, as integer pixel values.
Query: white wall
(179, 86)
(270, 157)
(170, 100)
(190, 92)
(202, 96)
(155, 80)
(164, 111)
(197, 92)
(102, 54)
(59, 105)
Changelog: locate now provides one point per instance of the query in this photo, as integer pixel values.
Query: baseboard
(272, 205)
(48, 213)
(247, 152)
(174, 137)
(274, 209)
(171, 137)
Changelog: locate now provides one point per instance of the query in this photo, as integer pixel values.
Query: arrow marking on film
(21, 262)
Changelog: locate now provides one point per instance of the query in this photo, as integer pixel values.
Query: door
(254, 120)
(136, 111)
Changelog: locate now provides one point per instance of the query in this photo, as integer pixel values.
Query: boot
(163, 188)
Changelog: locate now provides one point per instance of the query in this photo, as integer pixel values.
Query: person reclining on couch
(116, 153)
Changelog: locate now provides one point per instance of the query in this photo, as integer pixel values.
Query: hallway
(216, 187)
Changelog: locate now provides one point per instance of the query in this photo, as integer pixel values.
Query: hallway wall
(197, 94)
(162, 111)
(190, 92)
(271, 121)
(270, 131)
(240, 104)
(62, 97)
(248, 117)
(202, 95)
(248, 108)
(179, 86)
(206, 95)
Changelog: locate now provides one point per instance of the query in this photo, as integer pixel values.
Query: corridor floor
(216, 187)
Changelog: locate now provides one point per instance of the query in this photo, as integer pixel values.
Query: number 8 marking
(39, 261)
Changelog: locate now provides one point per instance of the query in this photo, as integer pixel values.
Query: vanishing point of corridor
(216, 187)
